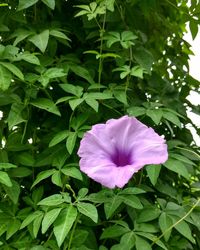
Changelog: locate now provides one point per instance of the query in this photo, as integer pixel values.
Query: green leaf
(155, 115)
(132, 190)
(72, 172)
(177, 167)
(46, 104)
(142, 244)
(52, 200)
(131, 200)
(144, 58)
(60, 136)
(82, 193)
(15, 70)
(74, 90)
(153, 172)
(5, 179)
(111, 206)
(7, 165)
(43, 175)
(49, 218)
(5, 78)
(88, 210)
(165, 222)
(58, 34)
(75, 103)
(172, 118)
(30, 218)
(152, 237)
(80, 236)
(194, 27)
(28, 57)
(64, 223)
(13, 191)
(15, 115)
(20, 172)
(40, 40)
(184, 229)
(56, 179)
(26, 159)
(146, 227)
(100, 96)
(182, 158)
(71, 141)
(49, 3)
(92, 103)
(136, 111)
(114, 232)
(20, 35)
(137, 71)
(148, 214)
(54, 73)
(24, 4)
(3, 228)
(127, 241)
(82, 72)
(121, 96)
(13, 228)
(36, 224)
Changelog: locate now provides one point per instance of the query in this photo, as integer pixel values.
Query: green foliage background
(66, 65)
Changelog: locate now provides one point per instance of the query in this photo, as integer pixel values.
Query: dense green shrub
(66, 65)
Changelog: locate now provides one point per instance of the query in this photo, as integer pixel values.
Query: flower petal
(123, 175)
(143, 143)
(96, 142)
(102, 171)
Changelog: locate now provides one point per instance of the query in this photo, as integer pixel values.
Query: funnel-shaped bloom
(112, 152)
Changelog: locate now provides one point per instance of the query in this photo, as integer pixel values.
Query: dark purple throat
(121, 158)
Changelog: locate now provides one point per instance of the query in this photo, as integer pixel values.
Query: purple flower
(111, 153)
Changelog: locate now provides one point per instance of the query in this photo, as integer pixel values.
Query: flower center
(121, 158)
